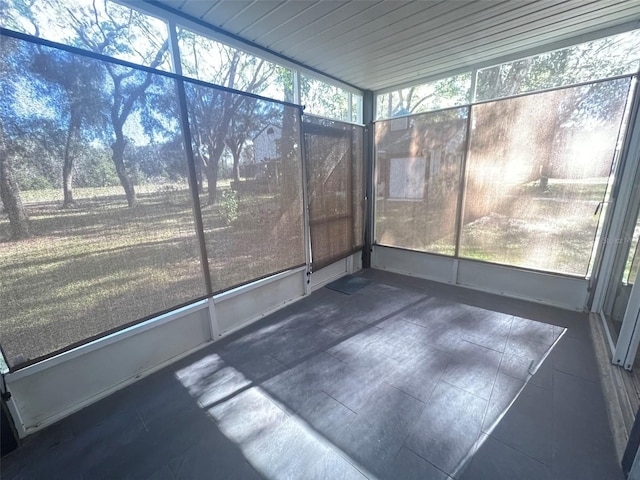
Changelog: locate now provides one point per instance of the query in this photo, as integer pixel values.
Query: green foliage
(32, 181)
(607, 57)
(228, 205)
(96, 169)
(323, 99)
(444, 93)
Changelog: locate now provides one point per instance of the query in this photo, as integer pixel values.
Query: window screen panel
(335, 188)
(418, 166)
(212, 61)
(439, 94)
(97, 259)
(324, 99)
(586, 62)
(248, 159)
(357, 169)
(101, 26)
(538, 167)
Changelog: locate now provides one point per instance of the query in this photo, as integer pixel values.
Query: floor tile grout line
(338, 359)
(524, 380)
(339, 402)
(426, 405)
(420, 456)
(142, 420)
(384, 382)
(531, 457)
(580, 377)
(495, 379)
(465, 390)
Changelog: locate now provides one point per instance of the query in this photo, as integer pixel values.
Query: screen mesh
(247, 153)
(112, 236)
(538, 167)
(418, 162)
(439, 94)
(586, 62)
(333, 155)
(101, 26)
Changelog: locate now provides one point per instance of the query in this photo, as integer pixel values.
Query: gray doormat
(348, 284)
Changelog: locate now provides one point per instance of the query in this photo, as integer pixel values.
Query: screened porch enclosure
(347, 239)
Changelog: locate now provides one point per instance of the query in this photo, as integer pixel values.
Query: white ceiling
(377, 44)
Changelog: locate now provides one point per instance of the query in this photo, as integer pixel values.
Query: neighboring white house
(265, 150)
(265, 144)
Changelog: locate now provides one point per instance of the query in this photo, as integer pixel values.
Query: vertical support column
(349, 264)
(297, 98)
(193, 179)
(305, 202)
(214, 327)
(368, 106)
(462, 188)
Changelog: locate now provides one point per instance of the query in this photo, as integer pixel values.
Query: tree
(10, 194)
(590, 103)
(81, 83)
(125, 94)
(9, 190)
(448, 92)
(249, 118)
(110, 29)
(238, 134)
(216, 114)
(323, 98)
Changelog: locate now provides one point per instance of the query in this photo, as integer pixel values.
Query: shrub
(228, 205)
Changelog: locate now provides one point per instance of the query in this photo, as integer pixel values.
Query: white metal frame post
(621, 201)
(629, 338)
(305, 206)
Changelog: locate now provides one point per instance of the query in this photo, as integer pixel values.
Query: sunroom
(319, 239)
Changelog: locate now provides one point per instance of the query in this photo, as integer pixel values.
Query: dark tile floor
(406, 379)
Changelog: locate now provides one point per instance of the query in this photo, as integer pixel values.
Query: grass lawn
(551, 231)
(101, 264)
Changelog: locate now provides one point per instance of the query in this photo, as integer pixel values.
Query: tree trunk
(211, 171)
(236, 166)
(118, 160)
(10, 196)
(199, 176)
(69, 160)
